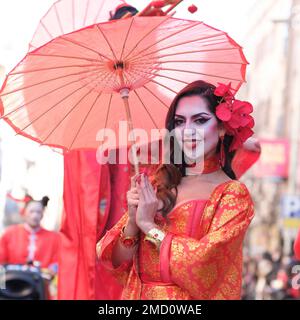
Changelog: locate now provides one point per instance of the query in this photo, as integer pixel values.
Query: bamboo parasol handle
(125, 95)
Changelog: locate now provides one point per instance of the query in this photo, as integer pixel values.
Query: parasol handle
(124, 95)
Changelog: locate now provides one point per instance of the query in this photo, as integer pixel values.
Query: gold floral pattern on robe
(201, 256)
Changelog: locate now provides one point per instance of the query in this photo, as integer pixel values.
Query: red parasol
(71, 85)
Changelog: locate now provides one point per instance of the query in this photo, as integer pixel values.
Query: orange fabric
(201, 257)
(14, 245)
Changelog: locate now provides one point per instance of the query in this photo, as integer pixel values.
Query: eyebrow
(194, 116)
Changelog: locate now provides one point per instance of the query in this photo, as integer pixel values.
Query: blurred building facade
(272, 45)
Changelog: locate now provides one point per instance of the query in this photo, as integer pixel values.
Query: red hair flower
(224, 111)
(224, 91)
(235, 115)
(240, 114)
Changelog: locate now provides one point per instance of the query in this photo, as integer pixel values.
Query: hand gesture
(132, 199)
(147, 205)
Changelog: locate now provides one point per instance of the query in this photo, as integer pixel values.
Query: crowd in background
(271, 276)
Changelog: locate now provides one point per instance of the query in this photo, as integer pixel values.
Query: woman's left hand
(148, 205)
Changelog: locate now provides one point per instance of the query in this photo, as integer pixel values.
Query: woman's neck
(208, 165)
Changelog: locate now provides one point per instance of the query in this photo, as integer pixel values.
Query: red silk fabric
(201, 257)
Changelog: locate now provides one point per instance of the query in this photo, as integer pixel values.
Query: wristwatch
(155, 236)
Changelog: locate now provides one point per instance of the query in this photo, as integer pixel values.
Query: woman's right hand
(123, 253)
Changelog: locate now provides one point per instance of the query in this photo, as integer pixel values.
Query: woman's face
(196, 128)
(34, 214)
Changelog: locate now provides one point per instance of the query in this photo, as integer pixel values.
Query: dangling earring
(222, 151)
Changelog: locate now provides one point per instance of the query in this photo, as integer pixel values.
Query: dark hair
(168, 176)
(44, 201)
(122, 11)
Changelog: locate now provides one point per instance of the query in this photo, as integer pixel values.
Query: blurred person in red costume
(29, 243)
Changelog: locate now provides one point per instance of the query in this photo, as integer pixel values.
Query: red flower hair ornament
(235, 115)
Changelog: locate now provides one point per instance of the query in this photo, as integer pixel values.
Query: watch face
(157, 234)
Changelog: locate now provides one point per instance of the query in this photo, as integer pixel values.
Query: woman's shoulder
(234, 196)
(234, 187)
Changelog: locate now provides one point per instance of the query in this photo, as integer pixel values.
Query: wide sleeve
(202, 266)
(104, 249)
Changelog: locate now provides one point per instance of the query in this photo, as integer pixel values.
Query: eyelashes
(203, 120)
(179, 122)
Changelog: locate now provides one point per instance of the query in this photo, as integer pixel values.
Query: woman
(182, 235)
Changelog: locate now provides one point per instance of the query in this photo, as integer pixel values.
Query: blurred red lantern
(192, 8)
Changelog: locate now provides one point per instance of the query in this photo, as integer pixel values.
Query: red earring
(222, 151)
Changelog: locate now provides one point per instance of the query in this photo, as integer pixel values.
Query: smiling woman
(193, 127)
(182, 235)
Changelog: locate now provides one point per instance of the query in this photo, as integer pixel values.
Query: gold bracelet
(155, 236)
(128, 241)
